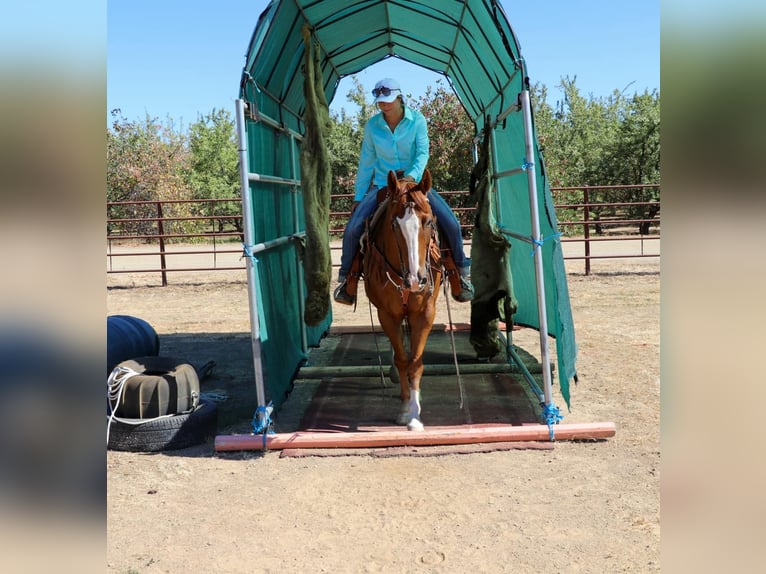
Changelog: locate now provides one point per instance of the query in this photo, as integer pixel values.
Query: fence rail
(589, 216)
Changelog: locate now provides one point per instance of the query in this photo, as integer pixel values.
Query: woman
(396, 140)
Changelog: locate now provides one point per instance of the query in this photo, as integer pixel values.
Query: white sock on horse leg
(415, 403)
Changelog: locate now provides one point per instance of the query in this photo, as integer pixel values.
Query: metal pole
(252, 270)
(161, 233)
(537, 237)
(586, 232)
(298, 263)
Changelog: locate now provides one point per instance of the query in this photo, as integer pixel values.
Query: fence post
(161, 233)
(586, 228)
(213, 223)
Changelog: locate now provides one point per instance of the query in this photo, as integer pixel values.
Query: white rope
(377, 350)
(445, 281)
(115, 388)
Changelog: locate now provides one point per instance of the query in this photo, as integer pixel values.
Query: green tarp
(472, 44)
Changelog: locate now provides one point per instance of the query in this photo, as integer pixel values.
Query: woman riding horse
(396, 140)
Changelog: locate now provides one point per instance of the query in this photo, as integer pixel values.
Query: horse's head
(410, 214)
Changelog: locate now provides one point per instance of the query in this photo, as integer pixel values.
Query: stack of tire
(153, 402)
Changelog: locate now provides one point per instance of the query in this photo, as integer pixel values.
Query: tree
(601, 141)
(146, 160)
(633, 157)
(451, 132)
(214, 172)
(344, 145)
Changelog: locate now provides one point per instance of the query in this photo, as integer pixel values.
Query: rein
(398, 275)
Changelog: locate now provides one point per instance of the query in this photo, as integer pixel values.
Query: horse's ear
(392, 181)
(425, 182)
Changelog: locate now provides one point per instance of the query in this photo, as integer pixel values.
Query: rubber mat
(354, 403)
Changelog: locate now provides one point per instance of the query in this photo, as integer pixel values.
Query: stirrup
(342, 296)
(466, 291)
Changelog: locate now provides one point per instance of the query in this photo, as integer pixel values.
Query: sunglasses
(384, 91)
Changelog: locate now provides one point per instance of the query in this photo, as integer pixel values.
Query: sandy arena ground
(581, 507)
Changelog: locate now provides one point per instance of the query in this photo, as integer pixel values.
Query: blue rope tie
(263, 425)
(247, 251)
(525, 165)
(538, 243)
(552, 417)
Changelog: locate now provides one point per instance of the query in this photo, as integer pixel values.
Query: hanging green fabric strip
(316, 181)
(490, 270)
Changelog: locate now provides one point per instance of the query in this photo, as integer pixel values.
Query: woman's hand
(401, 177)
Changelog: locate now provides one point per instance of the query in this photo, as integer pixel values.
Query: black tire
(166, 433)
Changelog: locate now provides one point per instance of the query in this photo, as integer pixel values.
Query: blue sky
(158, 50)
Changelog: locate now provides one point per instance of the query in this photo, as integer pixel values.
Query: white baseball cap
(386, 90)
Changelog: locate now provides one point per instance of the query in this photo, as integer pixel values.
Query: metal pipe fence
(160, 236)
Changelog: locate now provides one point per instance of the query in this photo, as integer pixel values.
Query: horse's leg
(392, 327)
(420, 328)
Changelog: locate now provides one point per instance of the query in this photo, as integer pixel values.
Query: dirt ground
(580, 507)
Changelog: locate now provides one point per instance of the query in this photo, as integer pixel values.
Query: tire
(167, 433)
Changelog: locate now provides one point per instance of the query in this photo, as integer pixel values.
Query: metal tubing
(537, 237)
(298, 262)
(436, 370)
(507, 112)
(252, 271)
(271, 179)
(525, 371)
(272, 243)
(509, 172)
(263, 118)
(161, 233)
(586, 229)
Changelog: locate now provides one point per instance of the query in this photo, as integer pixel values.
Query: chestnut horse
(402, 277)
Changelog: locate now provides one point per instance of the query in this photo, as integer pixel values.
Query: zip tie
(525, 165)
(247, 251)
(552, 417)
(263, 425)
(539, 242)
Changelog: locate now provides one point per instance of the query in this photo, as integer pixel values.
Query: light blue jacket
(405, 149)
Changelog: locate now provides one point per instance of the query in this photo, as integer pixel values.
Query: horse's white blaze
(410, 226)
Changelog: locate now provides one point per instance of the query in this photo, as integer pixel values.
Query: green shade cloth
(472, 44)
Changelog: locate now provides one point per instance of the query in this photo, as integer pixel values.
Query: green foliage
(214, 171)
(344, 146)
(451, 132)
(601, 141)
(213, 148)
(633, 157)
(146, 160)
(584, 141)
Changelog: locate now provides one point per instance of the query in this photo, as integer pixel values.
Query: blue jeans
(448, 224)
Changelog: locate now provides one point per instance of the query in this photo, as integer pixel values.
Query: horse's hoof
(415, 425)
(403, 419)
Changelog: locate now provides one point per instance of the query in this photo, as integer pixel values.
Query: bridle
(397, 277)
